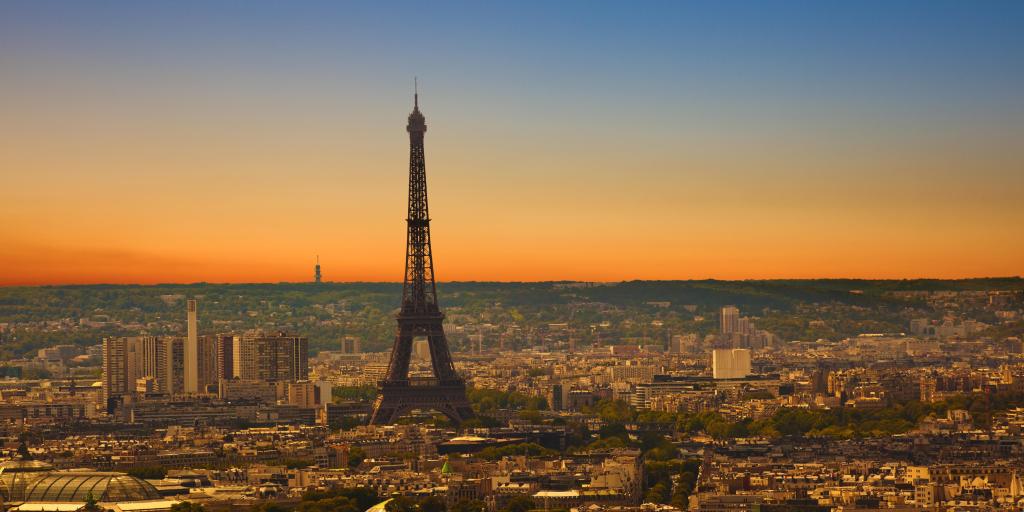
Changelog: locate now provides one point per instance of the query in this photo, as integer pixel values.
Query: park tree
(519, 504)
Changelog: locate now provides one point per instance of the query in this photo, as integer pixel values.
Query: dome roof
(16, 475)
(24, 466)
(77, 486)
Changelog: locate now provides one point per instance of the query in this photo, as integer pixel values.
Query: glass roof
(79, 485)
(24, 466)
(14, 483)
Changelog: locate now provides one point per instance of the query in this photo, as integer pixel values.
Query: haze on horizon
(234, 141)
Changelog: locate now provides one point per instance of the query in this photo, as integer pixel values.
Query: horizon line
(541, 281)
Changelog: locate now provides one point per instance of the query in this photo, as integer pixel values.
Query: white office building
(730, 363)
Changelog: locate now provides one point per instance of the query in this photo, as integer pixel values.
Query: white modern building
(730, 363)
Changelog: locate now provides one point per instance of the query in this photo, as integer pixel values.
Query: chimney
(192, 351)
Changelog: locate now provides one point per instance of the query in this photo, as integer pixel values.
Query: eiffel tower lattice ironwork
(420, 315)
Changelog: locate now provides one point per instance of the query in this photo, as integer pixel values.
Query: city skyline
(674, 256)
(189, 142)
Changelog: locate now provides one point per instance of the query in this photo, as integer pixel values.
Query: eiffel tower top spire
(417, 123)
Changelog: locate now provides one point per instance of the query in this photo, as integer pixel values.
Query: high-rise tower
(316, 270)
(192, 351)
(420, 315)
(275, 357)
(729, 320)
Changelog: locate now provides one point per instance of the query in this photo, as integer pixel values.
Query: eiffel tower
(420, 314)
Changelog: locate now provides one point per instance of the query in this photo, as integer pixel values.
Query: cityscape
(135, 379)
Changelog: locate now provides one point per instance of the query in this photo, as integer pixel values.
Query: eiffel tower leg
(382, 411)
(398, 367)
(440, 357)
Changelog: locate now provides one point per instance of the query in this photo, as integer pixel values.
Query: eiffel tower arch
(420, 315)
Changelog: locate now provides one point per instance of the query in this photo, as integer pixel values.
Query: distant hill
(83, 314)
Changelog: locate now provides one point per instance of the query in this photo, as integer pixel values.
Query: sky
(154, 142)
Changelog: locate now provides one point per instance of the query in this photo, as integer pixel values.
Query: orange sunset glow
(146, 153)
